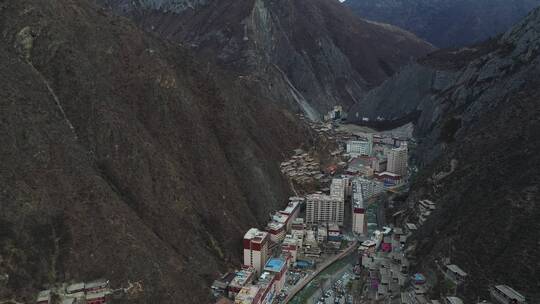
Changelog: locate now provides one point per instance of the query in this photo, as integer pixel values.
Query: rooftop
(411, 226)
(454, 300)
(274, 265)
(456, 269)
(321, 197)
(510, 292)
(265, 279)
(290, 240)
(255, 235)
(280, 218)
(247, 294)
(369, 243)
(97, 283)
(388, 174)
(296, 199)
(333, 227)
(274, 225)
(44, 295)
(96, 295)
(298, 220)
(75, 287)
(242, 277)
(291, 207)
(428, 202)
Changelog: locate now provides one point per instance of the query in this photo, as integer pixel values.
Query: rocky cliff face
(124, 157)
(478, 109)
(309, 55)
(446, 23)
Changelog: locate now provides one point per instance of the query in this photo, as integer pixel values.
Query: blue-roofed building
(274, 265)
(278, 267)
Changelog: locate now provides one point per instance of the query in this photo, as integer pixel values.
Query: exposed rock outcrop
(477, 128)
(312, 51)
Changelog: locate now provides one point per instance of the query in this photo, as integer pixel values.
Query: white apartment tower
(369, 187)
(322, 208)
(358, 210)
(397, 161)
(256, 249)
(337, 188)
(360, 147)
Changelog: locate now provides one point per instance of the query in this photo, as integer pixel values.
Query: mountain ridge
(476, 129)
(327, 54)
(447, 23)
(125, 157)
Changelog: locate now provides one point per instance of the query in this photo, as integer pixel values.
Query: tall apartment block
(397, 160)
(256, 249)
(322, 208)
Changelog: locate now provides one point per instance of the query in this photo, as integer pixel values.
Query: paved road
(329, 283)
(311, 276)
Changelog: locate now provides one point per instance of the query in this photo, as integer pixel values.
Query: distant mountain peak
(312, 54)
(446, 23)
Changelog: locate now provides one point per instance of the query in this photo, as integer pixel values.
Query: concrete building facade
(369, 187)
(256, 249)
(358, 210)
(322, 208)
(397, 160)
(360, 147)
(338, 187)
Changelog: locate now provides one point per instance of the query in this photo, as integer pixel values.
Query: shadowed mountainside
(124, 157)
(478, 108)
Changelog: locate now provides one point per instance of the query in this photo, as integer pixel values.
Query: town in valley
(346, 240)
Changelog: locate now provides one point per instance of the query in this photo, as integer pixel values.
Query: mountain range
(141, 139)
(310, 55)
(476, 116)
(447, 23)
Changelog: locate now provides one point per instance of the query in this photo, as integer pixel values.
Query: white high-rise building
(322, 208)
(256, 249)
(397, 160)
(360, 147)
(369, 187)
(358, 210)
(337, 188)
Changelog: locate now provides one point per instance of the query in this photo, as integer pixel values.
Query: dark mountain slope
(446, 23)
(124, 158)
(478, 109)
(309, 54)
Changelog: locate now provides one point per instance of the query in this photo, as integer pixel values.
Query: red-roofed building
(256, 249)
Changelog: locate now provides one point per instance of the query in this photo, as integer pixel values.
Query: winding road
(325, 265)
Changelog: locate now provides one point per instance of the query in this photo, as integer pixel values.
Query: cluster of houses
(386, 258)
(324, 129)
(388, 269)
(287, 242)
(301, 168)
(424, 209)
(94, 292)
(371, 158)
(385, 262)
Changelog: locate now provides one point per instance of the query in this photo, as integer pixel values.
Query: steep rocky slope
(124, 157)
(478, 108)
(310, 55)
(446, 23)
